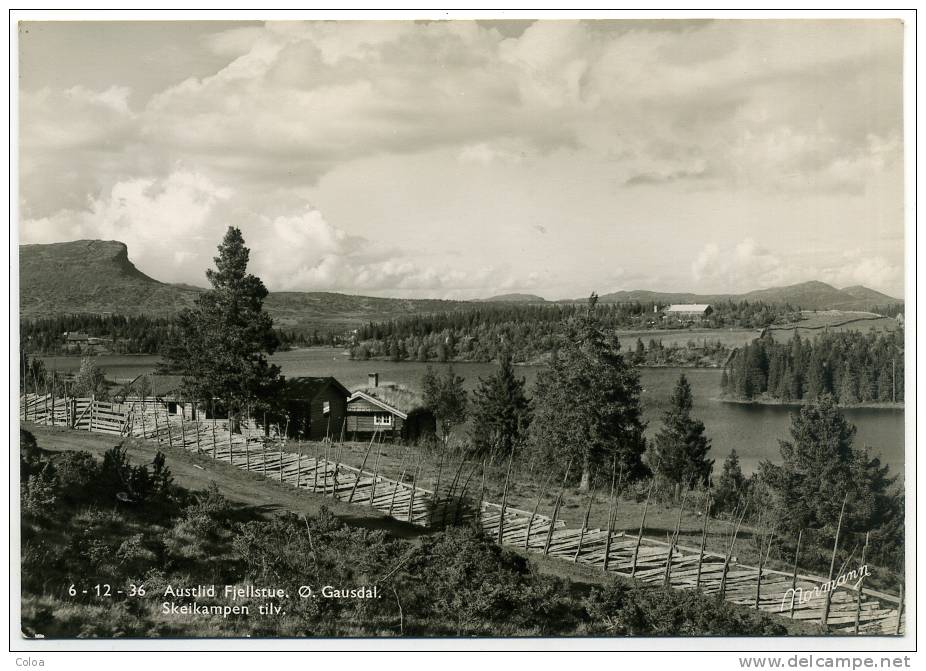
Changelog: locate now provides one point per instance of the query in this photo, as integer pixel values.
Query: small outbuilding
(316, 407)
(165, 390)
(391, 410)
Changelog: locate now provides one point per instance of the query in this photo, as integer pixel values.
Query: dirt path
(195, 472)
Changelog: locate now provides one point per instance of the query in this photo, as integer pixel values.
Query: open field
(816, 322)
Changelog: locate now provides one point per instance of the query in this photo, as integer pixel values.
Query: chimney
(373, 380)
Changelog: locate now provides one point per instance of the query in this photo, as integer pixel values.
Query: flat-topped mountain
(91, 276)
(96, 276)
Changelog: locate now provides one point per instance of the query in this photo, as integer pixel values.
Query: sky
(463, 159)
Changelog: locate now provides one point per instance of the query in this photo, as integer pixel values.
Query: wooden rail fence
(851, 608)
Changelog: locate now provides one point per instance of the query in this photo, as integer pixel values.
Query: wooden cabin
(391, 410)
(316, 407)
(163, 390)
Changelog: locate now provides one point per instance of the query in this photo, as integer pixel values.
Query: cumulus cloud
(173, 225)
(748, 265)
(769, 107)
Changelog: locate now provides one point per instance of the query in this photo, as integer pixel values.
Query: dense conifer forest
(129, 334)
(854, 367)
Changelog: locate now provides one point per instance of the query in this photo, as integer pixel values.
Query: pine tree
(501, 411)
(679, 453)
(730, 488)
(446, 398)
(221, 345)
(848, 387)
(587, 403)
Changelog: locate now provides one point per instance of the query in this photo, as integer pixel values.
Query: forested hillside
(129, 334)
(530, 332)
(854, 367)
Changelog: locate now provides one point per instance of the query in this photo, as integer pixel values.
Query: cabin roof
(363, 394)
(309, 387)
(159, 385)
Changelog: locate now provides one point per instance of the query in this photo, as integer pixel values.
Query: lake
(753, 430)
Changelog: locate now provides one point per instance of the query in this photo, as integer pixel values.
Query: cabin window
(326, 407)
(382, 420)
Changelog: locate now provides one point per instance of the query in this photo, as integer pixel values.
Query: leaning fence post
(797, 552)
(214, 442)
(559, 500)
(667, 575)
(92, 408)
(899, 611)
(379, 453)
(298, 468)
(726, 562)
(440, 468)
(182, 425)
(707, 513)
(170, 436)
(456, 514)
(861, 585)
(588, 511)
(612, 508)
(399, 482)
(501, 519)
(530, 521)
(411, 500)
(761, 565)
(360, 472)
(636, 550)
(280, 445)
(482, 492)
(829, 593)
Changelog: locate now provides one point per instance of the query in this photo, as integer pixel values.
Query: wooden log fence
(848, 608)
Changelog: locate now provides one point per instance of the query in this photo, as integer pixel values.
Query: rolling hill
(96, 276)
(812, 295)
(514, 298)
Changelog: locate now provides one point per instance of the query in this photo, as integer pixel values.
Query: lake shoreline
(801, 403)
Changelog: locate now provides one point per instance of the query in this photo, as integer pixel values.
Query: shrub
(39, 492)
(621, 609)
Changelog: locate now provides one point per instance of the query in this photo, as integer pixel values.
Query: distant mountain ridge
(97, 276)
(514, 298)
(813, 295)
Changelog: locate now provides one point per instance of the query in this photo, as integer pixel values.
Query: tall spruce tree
(820, 466)
(222, 344)
(587, 403)
(501, 411)
(730, 488)
(445, 396)
(679, 452)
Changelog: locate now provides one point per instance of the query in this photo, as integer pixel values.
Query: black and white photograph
(583, 328)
